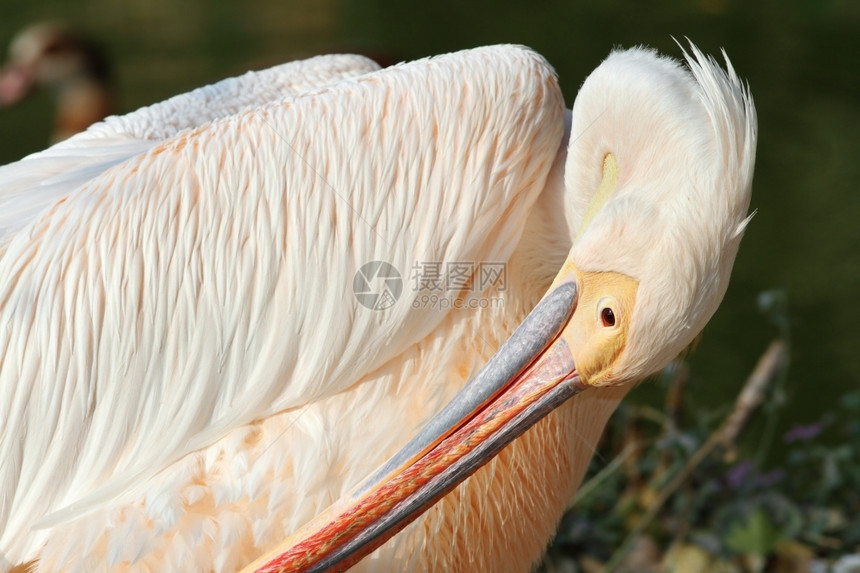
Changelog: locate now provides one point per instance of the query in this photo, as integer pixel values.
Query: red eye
(607, 317)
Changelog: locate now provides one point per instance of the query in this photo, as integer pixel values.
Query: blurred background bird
(74, 68)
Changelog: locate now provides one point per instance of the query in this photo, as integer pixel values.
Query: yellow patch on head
(608, 183)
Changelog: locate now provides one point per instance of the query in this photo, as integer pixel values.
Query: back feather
(29, 186)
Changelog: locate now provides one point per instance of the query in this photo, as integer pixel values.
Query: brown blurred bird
(53, 56)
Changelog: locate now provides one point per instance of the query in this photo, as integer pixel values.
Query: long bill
(531, 374)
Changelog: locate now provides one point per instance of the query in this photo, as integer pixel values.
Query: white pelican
(53, 56)
(187, 375)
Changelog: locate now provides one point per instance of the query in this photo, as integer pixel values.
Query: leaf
(851, 401)
(756, 534)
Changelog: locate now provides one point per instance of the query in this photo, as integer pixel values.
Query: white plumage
(186, 376)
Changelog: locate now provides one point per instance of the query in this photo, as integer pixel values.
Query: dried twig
(753, 392)
(629, 450)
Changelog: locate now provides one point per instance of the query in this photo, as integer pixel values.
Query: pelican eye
(607, 317)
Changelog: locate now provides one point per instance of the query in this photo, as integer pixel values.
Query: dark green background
(800, 58)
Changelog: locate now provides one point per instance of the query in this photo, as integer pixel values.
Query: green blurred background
(800, 58)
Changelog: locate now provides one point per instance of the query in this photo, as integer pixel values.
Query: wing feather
(29, 186)
(208, 282)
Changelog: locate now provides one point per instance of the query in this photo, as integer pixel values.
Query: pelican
(54, 56)
(222, 314)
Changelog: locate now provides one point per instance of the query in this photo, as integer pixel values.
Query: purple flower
(739, 474)
(744, 474)
(801, 433)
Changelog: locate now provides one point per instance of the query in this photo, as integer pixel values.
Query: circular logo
(377, 285)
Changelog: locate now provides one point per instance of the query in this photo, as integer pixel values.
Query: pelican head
(663, 174)
(657, 181)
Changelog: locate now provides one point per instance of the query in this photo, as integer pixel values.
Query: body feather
(178, 295)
